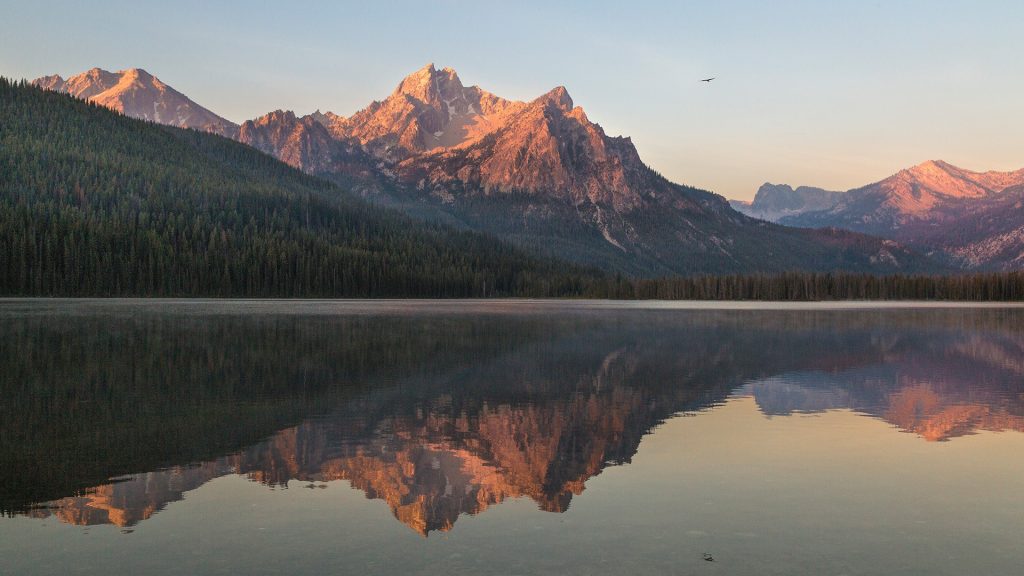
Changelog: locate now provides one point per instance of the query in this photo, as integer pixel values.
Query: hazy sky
(833, 94)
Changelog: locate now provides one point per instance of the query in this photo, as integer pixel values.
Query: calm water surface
(164, 437)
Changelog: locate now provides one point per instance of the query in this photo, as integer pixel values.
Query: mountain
(542, 175)
(136, 93)
(775, 201)
(538, 174)
(428, 110)
(94, 203)
(300, 142)
(305, 143)
(972, 219)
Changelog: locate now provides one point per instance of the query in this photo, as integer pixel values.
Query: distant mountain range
(776, 201)
(136, 93)
(539, 174)
(972, 220)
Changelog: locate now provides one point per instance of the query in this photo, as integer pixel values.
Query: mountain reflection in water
(444, 414)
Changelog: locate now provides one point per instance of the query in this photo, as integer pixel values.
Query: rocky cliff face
(973, 219)
(548, 147)
(543, 175)
(136, 93)
(539, 174)
(428, 110)
(775, 201)
(306, 144)
(439, 136)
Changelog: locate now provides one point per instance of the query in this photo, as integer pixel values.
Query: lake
(510, 437)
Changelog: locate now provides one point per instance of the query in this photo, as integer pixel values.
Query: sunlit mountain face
(136, 93)
(540, 174)
(440, 412)
(971, 219)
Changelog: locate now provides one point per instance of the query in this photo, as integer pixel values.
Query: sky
(832, 94)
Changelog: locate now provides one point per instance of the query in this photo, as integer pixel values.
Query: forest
(814, 286)
(95, 204)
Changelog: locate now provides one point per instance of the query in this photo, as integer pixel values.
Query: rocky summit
(776, 201)
(540, 174)
(136, 93)
(973, 220)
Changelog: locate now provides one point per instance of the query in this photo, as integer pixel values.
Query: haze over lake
(520, 437)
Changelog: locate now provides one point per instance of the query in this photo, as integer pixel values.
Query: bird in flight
(708, 79)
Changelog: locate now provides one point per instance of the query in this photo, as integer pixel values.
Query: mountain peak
(136, 73)
(932, 166)
(558, 96)
(276, 116)
(941, 178)
(137, 93)
(935, 206)
(53, 82)
(429, 85)
(327, 118)
(775, 201)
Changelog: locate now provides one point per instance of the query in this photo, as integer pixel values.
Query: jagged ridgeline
(94, 203)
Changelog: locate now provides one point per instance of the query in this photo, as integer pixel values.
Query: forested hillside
(93, 203)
